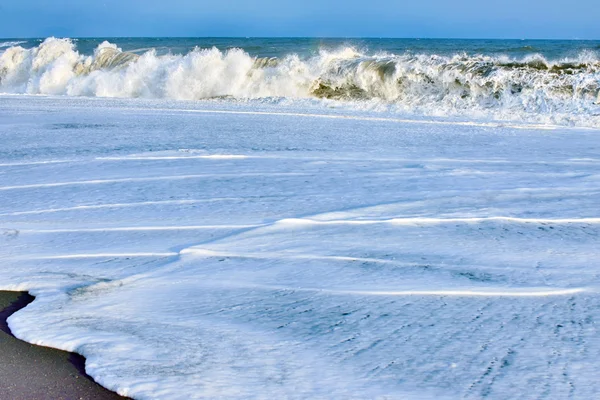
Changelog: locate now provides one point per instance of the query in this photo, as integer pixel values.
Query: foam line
(139, 228)
(149, 179)
(371, 119)
(117, 205)
(434, 221)
(465, 292)
(98, 255)
(158, 158)
(27, 163)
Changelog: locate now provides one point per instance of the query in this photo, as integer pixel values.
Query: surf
(530, 88)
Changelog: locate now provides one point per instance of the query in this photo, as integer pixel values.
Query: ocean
(306, 218)
(552, 82)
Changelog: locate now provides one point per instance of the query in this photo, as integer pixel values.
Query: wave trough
(531, 88)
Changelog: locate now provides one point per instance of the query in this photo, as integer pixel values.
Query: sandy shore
(31, 372)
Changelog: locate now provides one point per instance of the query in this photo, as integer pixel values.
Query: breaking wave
(4, 45)
(531, 88)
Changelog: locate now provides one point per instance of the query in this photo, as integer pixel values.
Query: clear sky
(521, 19)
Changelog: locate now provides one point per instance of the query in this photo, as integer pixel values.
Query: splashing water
(531, 88)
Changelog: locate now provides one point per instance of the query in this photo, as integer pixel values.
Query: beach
(33, 372)
(201, 226)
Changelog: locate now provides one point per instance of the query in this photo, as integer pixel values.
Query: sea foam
(530, 88)
(237, 251)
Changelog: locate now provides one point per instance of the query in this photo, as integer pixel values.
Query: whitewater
(219, 224)
(524, 87)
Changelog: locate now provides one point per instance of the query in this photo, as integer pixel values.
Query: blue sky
(519, 19)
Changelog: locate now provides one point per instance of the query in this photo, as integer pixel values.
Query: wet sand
(29, 372)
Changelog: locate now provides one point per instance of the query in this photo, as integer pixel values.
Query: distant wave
(531, 88)
(11, 43)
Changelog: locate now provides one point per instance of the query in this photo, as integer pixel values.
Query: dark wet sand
(29, 372)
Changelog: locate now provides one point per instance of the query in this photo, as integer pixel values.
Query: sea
(255, 218)
(545, 81)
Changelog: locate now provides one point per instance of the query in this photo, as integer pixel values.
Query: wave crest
(533, 87)
(11, 43)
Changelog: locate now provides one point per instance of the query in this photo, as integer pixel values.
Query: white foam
(465, 292)
(532, 89)
(430, 221)
(11, 43)
(342, 255)
(115, 206)
(138, 228)
(97, 255)
(134, 180)
(176, 157)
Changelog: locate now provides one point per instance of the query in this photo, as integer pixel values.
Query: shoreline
(35, 372)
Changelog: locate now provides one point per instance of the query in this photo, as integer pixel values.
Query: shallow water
(226, 249)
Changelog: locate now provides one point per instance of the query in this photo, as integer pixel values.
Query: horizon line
(297, 37)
